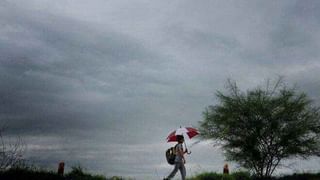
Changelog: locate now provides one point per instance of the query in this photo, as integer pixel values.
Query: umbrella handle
(185, 145)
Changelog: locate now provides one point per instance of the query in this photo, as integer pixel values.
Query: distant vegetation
(77, 173)
(246, 176)
(217, 176)
(32, 173)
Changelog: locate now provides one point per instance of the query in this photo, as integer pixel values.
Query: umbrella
(184, 131)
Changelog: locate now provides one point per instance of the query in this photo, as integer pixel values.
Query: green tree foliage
(261, 127)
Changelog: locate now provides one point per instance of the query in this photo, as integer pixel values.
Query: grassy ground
(77, 173)
(217, 176)
(246, 176)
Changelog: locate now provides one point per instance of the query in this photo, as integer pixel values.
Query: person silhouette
(226, 169)
(179, 160)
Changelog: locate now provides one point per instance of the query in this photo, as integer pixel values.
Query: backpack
(171, 155)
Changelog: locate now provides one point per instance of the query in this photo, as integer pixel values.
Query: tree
(263, 126)
(10, 152)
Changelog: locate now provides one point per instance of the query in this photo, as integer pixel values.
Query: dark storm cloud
(57, 73)
(258, 40)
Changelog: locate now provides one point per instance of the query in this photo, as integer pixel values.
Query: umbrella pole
(185, 145)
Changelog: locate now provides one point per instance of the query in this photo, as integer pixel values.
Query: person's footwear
(165, 179)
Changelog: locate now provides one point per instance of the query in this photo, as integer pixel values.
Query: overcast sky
(102, 83)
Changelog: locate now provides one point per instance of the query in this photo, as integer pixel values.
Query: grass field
(77, 173)
(247, 176)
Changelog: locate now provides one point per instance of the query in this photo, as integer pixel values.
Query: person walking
(179, 160)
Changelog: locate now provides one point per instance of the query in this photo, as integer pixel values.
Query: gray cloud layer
(81, 80)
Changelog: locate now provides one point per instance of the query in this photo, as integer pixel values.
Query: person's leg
(174, 171)
(182, 169)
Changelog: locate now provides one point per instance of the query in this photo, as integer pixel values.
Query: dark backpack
(171, 154)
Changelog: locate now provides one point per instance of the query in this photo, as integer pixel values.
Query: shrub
(215, 176)
(241, 175)
(77, 173)
(29, 174)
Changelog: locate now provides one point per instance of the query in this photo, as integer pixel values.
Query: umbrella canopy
(185, 131)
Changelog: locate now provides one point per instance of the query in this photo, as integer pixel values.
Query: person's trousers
(178, 166)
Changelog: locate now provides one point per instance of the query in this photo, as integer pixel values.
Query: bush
(33, 173)
(304, 176)
(246, 176)
(29, 174)
(77, 173)
(215, 176)
(241, 175)
(207, 176)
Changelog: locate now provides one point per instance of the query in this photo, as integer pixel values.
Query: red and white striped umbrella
(185, 131)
